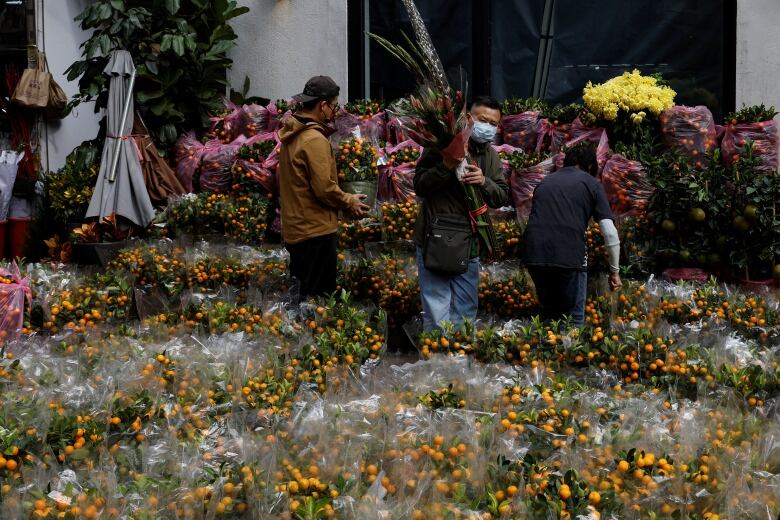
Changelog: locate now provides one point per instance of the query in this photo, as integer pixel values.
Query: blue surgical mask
(483, 132)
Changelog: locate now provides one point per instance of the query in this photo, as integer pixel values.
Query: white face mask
(483, 132)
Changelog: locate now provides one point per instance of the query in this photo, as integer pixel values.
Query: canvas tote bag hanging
(33, 88)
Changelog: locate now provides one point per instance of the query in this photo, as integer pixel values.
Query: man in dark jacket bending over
(554, 241)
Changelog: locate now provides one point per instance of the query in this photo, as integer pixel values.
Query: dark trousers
(313, 265)
(561, 292)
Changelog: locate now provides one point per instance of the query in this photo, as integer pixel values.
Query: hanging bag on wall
(32, 91)
(55, 109)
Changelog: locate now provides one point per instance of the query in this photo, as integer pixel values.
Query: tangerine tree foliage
(179, 48)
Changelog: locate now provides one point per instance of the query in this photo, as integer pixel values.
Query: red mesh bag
(627, 187)
(524, 181)
(521, 130)
(552, 137)
(216, 167)
(14, 294)
(188, 152)
(765, 141)
(691, 130)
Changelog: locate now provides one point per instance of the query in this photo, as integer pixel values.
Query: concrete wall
(282, 43)
(60, 37)
(758, 52)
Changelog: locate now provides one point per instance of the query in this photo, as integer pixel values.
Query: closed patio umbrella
(120, 187)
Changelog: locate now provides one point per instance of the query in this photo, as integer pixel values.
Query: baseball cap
(318, 87)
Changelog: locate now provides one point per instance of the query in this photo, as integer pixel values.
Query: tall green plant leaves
(180, 52)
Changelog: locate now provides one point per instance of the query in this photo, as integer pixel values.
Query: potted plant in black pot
(99, 242)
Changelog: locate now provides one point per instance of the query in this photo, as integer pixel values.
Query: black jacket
(441, 192)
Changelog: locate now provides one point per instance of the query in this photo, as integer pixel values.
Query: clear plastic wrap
(765, 139)
(396, 175)
(627, 187)
(690, 130)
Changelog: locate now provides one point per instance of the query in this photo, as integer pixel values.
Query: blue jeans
(448, 298)
(561, 292)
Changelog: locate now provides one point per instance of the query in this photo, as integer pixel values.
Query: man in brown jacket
(310, 196)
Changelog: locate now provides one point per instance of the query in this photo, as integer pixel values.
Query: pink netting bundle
(764, 137)
(525, 180)
(263, 172)
(504, 150)
(228, 126)
(373, 128)
(15, 293)
(552, 137)
(188, 152)
(521, 130)
(216, 166)
(690, 130)
(627, 187)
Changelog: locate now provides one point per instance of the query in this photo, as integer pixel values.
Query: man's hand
(356, 207)
(614, 282)
(473, 175)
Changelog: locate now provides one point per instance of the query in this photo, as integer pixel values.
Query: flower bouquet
(435, 115)
(623, 103)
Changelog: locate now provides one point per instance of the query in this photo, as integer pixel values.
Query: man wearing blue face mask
(448, 296)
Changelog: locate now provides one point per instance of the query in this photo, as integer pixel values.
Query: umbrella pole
(115, 159)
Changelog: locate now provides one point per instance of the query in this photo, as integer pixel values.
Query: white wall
(758, 52)
(282, 43)
(59, 36)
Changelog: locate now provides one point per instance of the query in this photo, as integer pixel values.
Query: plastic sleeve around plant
(228, 127)
(188, 152)
(765, 139)
(598, 136)
(552, 137)
(626, 185)
(611, 243)
(690, 130)
(521, 130)
(216, 165)
(396, 183)
(507, 149)
(524, 181)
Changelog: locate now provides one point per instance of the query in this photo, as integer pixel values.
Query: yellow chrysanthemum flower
(631, 93)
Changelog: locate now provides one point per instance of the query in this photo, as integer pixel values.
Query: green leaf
(165, 44)
(221, 47)
(143, 96)
(178, 45)
(105, 44)
(172, 6)
(151, 66)
(119, 5)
